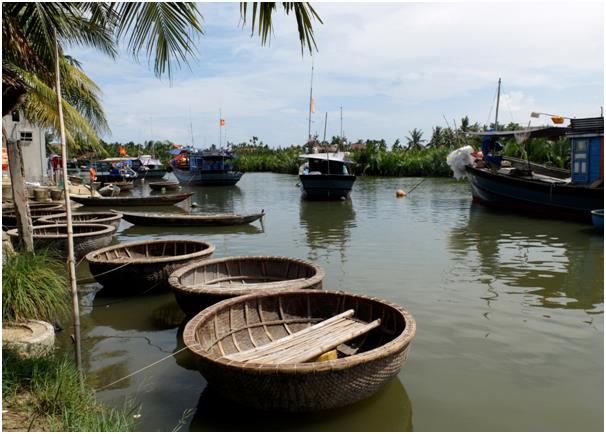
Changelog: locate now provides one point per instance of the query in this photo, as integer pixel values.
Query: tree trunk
(17, 171)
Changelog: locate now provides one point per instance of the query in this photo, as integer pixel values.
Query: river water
(509, 311)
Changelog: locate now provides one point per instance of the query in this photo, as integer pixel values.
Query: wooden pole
(17, 171)
(68, 210)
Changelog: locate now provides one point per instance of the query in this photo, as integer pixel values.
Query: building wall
(33, 147)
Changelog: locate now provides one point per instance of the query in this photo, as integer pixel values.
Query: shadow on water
(389, 409)
(327, 224)
(561, 263)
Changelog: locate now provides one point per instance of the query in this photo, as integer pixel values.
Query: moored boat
(104, 217)
(87, 237)
(174, 219)
(219, 336)
(114, 169)
(166, 185)
(597, 218)
(148, 167)
(9, 218)
(169, 199)
(325, 176)
(130, 268)
(204, 283)
(208, 168)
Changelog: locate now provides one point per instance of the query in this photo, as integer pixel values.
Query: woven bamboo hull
(106, 218)
(87, 237)
(249, 321)
(122, 274)
(9, 219)
(196, 287)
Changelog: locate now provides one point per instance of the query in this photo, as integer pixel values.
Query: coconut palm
(415, 139)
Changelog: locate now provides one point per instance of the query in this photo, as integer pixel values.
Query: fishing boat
(202, 284)
(168, 199)
(166, 185)
(597, 218)
(130, 268)
(124, 185)
(109, 190)
(534, 188)
(114, 169)
(208, 168)
(174, 219)
(87, 237)
(261, 349)
(112, 218)
(148, 167)
(326, 176)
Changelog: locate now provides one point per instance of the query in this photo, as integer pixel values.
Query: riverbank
(44, 394)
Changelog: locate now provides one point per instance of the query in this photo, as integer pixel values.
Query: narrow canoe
(174, 219)
(169, 199)
(130, 268)
(168, 185)
(363, 366)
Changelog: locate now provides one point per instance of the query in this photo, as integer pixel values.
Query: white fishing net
(458, 159)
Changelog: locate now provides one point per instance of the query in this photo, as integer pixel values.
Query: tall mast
(325, 121)
(191, 129)
(496, 116)
(310, 99)
(341, 134)
(220, 127)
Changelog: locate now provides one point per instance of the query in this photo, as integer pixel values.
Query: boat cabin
(587, 147)
(325, 164)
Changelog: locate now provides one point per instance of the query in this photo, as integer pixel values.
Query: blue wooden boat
(208, 168)
(325, 176)
(597, 217)
(543, 191)
(114, 170)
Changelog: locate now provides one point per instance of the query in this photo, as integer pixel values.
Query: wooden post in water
(68, 210)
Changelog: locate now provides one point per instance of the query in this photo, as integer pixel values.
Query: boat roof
(340, 157)
(533, 133)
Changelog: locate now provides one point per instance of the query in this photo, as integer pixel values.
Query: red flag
(122, 151)
(222, 122)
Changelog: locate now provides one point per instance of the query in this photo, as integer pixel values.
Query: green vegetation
(374, 161)
(45, 394)
(34, 286)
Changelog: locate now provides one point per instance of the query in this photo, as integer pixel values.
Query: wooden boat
(597, 218)
(219, 336)
(104, 217)
(9, 219)
(87, 237)
(133, 201)
(148, 167)
(130, 268)
(325, 176)
(204, 283)
(124, 185)
(174, 219)
(167, 185)
(209, 168)
(109, 190)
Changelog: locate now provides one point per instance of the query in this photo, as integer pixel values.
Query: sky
(392, 67)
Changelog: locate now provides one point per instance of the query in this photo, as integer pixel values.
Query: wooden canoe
(142, 266)
(168, 185)
(363, 365)
(175, 219)
(169, 199)
(203, 283)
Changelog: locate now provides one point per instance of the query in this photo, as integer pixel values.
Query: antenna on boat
(311, 100)
(496, 117)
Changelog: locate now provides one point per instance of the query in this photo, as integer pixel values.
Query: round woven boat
(103, 217)
(87, 237)
(143, 266)
(239, 324)
(9, 219)
(202, 284)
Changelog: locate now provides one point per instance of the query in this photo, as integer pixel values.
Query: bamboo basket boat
(175, 219)
(104, 217)
(364, 364)
(87, 237)
(9, 218)
(167, 185)
(202, 284)
(168, 199)
(131, 268)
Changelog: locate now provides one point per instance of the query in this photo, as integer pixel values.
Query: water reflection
(142, 232)
(216, 199)
(327, 225)
(560, 263)
(389, 409)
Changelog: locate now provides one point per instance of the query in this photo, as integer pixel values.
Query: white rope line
(106, 272)
(140, 370)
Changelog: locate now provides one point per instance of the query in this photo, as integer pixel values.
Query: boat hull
(152, 173)
(326, 187)
(171, 219)
(219, 178)
(132, 201)
(573, 202)
(597, 218)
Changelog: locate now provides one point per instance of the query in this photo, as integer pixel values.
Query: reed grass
(54, 398)
(34, 286)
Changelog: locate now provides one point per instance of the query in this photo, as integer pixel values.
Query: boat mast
(496, 117)
(310, 100)
(325, 121)
(220, 126)
(191, 129)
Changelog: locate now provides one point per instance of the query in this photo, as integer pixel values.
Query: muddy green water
(509, 311)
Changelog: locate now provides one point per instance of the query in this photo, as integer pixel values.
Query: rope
(140, 370)
(105, 272)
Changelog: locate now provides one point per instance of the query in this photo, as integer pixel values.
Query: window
(26, 136)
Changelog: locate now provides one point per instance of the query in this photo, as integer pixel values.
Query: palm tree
(415, 139)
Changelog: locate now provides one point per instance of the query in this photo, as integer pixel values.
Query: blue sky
(391, 66)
